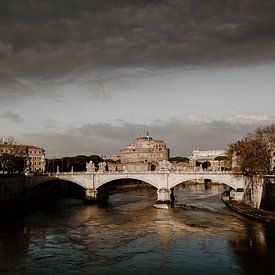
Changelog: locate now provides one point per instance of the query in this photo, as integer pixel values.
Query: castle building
(142, 154)
(144, 149)
(34, 156)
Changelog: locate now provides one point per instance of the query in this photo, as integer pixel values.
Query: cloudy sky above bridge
(83, 77)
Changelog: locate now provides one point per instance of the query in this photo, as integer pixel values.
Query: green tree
(78, 163)
(206, 164)
(221, 158)
(179, 159)
(11, 164)
(4, 162)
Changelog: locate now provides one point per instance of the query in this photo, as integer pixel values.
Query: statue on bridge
(165, 165)
(102, 166)
(90, 166)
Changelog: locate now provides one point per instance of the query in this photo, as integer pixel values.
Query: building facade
(207, 154)
(216, 158)
(34, 156)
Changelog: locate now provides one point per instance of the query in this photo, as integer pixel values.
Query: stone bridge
(164, 182)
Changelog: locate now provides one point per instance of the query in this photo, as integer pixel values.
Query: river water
(127, 235)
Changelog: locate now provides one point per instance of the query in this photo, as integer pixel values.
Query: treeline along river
(127, 235)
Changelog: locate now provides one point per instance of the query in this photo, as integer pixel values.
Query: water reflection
(128, 235)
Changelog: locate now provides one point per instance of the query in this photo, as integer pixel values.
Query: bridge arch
(119, 177)
(52, 188)
(227, 180)
(51, 179)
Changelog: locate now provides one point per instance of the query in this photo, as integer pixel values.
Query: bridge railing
(201, 172)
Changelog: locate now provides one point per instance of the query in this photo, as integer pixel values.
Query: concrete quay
(248, 211)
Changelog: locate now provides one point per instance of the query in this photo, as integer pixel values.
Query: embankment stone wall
(268, 197)
(253, 190)
(11, 187)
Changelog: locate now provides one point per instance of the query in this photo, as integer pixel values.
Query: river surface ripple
(127, 235)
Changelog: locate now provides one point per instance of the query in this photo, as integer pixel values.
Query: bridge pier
(92, 195)
(165, 195)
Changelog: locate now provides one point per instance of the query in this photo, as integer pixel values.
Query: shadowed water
(127, 235)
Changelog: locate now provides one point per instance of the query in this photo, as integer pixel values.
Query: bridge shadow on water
(39, 197)
(56, 189)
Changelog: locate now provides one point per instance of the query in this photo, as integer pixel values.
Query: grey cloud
(46, 40)
(182, 134)
(11, 116)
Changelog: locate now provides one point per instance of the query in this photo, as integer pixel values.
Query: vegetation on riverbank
(251, 155)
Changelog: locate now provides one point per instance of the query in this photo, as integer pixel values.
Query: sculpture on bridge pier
(102, 167)
(90, 167)
(165, 165)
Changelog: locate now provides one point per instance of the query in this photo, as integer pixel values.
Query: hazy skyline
(83, 77)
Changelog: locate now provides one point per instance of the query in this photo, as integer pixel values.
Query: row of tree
(11, 164)
(66, 164)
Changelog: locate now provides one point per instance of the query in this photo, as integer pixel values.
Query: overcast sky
(83, 77)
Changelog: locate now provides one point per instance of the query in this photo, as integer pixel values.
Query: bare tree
(252, 154)
(10, 140)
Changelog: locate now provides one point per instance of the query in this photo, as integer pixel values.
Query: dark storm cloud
(182, 134)
(53, 39)
(11, 116)
(64, 34)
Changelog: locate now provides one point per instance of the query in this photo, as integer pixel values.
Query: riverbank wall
(13, 197)
(18, 198)
(12, 187)
(253, 190)
(268, 196)
(248, 211)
